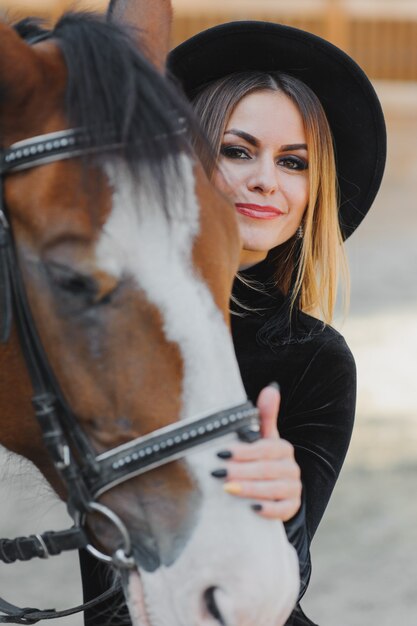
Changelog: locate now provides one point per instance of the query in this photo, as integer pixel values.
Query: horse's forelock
(115, 92)
(111, 85)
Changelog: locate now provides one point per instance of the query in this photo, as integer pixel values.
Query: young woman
(299, 138)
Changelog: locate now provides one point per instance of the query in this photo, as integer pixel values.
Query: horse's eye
(72, 282)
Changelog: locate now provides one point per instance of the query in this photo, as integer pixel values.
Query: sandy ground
(364, 554)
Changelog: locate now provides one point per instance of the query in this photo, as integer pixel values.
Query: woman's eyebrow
(254, 142)
(294, 146)
(246, 136)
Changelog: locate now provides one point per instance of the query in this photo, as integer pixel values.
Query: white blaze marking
(139, 240)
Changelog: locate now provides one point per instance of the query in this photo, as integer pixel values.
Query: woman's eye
(234, 152)
(293, 163)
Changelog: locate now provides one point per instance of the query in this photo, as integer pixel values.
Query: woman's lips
(258, 211)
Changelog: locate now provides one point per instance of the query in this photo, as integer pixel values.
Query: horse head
(127, 254)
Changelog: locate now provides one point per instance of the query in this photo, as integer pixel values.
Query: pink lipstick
(258, 211)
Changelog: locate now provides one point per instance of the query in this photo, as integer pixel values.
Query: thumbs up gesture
(264, 472)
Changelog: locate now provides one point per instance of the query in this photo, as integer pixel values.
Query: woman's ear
(151, 21)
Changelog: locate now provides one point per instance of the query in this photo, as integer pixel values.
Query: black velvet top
(316, 372)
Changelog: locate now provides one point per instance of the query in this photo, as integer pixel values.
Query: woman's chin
(260, 238)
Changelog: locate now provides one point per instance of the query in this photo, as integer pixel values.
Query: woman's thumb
(268, 405)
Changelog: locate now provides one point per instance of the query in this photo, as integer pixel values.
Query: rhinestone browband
(64, 144)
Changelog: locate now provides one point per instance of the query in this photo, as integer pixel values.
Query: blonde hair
(321, 257)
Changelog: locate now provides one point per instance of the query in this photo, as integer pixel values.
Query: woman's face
(264, 171)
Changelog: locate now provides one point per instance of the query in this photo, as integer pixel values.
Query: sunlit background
(365, 552)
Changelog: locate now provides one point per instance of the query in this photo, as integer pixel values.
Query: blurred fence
(381, 35)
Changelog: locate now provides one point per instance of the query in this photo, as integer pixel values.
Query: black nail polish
(256, 507)
(224, 454)
(219, 473)
(275, 385)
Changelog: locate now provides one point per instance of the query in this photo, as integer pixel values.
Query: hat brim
(346, 94)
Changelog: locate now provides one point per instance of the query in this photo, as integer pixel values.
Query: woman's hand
(265, 471)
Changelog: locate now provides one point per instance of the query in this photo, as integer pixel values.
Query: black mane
(111, 85)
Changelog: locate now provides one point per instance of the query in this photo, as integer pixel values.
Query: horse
(119, 379)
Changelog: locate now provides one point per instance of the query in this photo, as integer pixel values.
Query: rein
(85, 475)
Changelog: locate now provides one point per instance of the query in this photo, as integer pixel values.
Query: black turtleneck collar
(259, 304)
(256, 287)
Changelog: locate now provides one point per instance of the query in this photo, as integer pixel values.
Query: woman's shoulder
(309, 337)
(323, 337)
(322, 359)
(317, 355)
(262, 320)
(314, 354)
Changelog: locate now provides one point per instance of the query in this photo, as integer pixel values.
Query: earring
(300, 232)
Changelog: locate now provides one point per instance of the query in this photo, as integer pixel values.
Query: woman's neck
(249, 258)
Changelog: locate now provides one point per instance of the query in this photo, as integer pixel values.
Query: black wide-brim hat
(352, 107)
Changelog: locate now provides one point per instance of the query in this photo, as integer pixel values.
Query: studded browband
(43, 149)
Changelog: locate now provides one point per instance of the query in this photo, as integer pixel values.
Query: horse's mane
(112, 86)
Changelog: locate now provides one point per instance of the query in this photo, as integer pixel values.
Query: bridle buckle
(45, 552)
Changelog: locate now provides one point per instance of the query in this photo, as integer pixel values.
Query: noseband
(85, 475)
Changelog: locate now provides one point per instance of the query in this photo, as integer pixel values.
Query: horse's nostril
(211, 604)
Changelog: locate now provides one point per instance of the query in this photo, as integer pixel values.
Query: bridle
(84, 474)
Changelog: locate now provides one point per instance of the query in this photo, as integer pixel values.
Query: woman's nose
(264, 178)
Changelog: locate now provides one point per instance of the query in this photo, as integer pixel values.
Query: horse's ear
(152, 21)
(19, 70)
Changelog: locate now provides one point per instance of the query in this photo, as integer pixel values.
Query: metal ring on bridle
(122, 556)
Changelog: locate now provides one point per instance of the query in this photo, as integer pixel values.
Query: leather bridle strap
(27, 615)
(56, 420)
(43, 546)
(58, 423)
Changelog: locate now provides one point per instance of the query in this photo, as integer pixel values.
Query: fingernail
(233, 488)
(256, 507)
(219, 473)
(275, 385)
(224, 454)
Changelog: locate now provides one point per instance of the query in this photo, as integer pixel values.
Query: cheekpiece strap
(6, 294)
